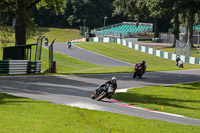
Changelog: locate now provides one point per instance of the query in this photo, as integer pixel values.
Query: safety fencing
(166, 55)
(20, 67)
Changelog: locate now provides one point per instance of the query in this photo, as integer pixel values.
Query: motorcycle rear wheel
(134, 75)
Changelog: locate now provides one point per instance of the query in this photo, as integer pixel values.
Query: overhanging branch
(4, 2)
(32, 4)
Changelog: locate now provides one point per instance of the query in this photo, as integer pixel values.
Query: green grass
(68, 65)
(182, 99)
(22, 115)
(61, 35)
(126, 54)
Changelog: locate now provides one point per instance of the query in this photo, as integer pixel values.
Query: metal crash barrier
(20, 67)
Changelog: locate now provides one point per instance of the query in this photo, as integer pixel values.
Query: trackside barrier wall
(148, 50)
(34, 67)
(20, 67)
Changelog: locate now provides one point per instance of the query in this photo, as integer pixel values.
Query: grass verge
(20, 114)
(70, 65)
(126, 54)
(182, 99)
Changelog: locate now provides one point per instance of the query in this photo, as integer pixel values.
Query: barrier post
(55, 67)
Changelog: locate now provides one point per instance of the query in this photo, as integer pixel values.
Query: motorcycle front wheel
(93, 96)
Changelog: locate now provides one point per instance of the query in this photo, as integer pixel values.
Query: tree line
(91, 13)
(181, 12)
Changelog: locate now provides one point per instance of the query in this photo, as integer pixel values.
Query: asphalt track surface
(88, 56)
(75, 90)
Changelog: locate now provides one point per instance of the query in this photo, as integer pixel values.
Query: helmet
(114, 79)
(143, 62)
(177, 58)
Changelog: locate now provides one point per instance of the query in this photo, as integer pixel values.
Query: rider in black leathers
(143, 64)
(112, 82)
(177, 60)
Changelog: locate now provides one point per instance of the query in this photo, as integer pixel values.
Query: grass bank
(20, 114)
(126, 54)
(182, 99)
(60, 34)
(68, 65)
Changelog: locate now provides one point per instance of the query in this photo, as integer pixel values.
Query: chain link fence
(182, 48)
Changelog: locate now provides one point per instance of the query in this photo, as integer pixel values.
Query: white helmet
(114, 78)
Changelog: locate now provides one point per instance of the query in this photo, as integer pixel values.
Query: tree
(192, 7)
(89, 13)
(5, 20)
(137, 8)
(22, 8)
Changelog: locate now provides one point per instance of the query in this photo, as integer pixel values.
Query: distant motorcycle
(138, 71)
(103, 92)
(46, 41)
(180, 64)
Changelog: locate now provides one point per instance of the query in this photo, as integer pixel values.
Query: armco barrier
(166, 55)
(34, 67)
(20, 67)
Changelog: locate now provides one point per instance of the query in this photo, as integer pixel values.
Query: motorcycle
(138, 71)
(180, 64)
(103, 92)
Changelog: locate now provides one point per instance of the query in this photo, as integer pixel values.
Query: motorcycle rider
(143, 64)
(46, 41)
(177, 59)
(69, 44)
(112, 82)
(179, 62)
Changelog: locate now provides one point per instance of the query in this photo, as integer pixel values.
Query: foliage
(21, 8)
(89, 12)
(6, 13)
(132, 8)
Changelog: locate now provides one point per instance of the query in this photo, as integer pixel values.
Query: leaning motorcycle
(180, 64)
(138, 71)
(103, 92)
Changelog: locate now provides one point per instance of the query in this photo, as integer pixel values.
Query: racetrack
(88, 56)
(75, 90)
